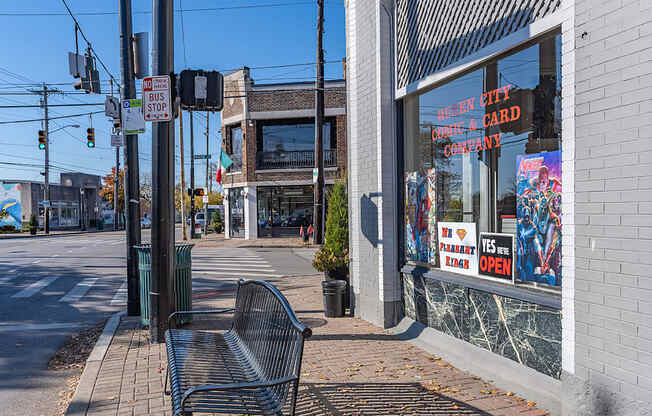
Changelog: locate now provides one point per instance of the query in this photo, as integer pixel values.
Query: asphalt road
(51, 287)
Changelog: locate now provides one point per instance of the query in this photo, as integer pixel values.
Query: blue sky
(36, 35)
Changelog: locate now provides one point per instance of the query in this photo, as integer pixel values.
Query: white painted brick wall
(613, 179)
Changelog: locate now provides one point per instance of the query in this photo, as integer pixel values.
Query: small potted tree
(33, 224)
(333, 258)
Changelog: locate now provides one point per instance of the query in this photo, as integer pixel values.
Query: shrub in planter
(216, 222)
(33, 224)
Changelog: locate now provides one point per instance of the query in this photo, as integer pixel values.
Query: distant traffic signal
(199, 192)
(42, 139)
(90, 137)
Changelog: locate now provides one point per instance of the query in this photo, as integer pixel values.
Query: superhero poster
(420, 217)
(538, 213)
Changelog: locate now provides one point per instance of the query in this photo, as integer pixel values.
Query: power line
(205, 9)
(50, 118)
(50, 105)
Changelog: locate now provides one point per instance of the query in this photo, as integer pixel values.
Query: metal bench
(248, 370)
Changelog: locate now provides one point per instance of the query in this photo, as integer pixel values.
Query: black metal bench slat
(247, 370)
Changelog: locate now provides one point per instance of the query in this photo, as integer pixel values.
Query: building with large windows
(269, 134)
(74, 202)
(499, 171)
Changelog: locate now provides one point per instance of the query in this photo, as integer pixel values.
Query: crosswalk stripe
(35, 287)
(223, 263)
(235, 264)
(79, 290)
(120, 296)
(244, 269)
(242, 274)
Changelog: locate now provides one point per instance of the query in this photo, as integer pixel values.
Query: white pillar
(250, 213)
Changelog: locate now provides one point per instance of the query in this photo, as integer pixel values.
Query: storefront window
(482, 155)
(282, 210)
(236, 150)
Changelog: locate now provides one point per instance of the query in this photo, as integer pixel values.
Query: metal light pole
(207, 160)
(161, 289)
(192, 177)
(132, 188)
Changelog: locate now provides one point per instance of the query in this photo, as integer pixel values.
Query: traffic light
(199, 192)
(90, 137)
(42, 139)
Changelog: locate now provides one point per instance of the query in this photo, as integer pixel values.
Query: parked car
(145, 223)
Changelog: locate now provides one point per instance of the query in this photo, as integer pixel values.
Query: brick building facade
(527, 119)
(266, 129)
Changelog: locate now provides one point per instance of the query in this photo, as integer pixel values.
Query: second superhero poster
(538, 212)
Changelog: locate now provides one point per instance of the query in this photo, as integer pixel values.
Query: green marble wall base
(525, 332)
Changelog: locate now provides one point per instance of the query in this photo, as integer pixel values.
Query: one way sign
(157, 98)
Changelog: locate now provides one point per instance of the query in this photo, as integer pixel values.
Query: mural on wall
(10, 211)
(420, 219)
(538, 213)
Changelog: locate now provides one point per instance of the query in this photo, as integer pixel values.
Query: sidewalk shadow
(358, 399)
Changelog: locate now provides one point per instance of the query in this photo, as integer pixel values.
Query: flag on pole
(224, 163)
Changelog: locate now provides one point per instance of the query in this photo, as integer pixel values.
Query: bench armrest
(235, 386)
(198, 312)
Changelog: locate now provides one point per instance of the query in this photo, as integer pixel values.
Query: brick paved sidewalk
(350, 367)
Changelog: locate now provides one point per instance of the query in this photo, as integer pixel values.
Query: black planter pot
(32, 231)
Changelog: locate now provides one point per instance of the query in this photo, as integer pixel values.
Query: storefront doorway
(236, 213)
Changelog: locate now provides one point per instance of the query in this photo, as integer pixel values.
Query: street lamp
(47, 172)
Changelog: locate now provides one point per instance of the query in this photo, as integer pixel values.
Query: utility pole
(192, 177)
(207, 160)
(183, 178)
(131, 181)
(116, 186)
(161, 287)
(319, 122)
(46, 212)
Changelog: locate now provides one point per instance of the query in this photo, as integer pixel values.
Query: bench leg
(165, 385)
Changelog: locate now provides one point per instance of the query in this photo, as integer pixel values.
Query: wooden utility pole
(183, 177)
(318, 215)
(207, 161)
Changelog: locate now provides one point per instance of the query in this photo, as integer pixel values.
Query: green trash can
(182, 279)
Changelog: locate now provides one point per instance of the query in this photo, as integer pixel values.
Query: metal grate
(433, 34)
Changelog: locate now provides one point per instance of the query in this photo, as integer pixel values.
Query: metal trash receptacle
(333, 292)
(182, 280)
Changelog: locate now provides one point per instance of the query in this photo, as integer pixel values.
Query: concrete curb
(82, 397)
(52, 235)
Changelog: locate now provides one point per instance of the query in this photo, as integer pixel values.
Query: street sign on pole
(205, 199)
(112, 107)
(202, 156)
(132, 117)
(315, 175)
(117, 140)
(157, 98)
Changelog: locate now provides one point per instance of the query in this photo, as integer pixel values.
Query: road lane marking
(38, 327)
(36, 261)
(79, 290)
(35, 287)
(243, 274)
(243, 269)
(116, 243)
(120, 297)
(55, 255)
(235, 264)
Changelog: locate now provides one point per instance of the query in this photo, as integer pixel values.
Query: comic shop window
(482, 155)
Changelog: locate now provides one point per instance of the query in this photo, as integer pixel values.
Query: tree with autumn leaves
(106, 192)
